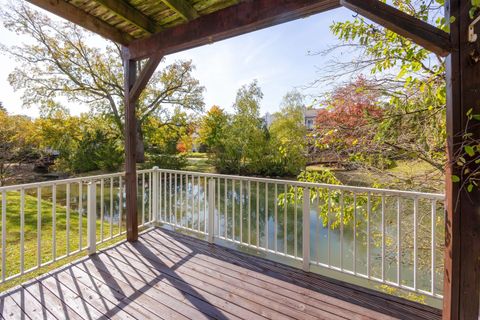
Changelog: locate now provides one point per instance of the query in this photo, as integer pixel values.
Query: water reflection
(253, 213)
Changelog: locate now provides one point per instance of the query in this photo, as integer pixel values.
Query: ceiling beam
(183, 8)
(226, 23)
(73, 14)
(420, 32)
(131, 14)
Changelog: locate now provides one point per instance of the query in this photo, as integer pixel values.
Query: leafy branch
(468, 156)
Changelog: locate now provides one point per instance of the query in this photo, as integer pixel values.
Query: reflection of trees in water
(276, 213)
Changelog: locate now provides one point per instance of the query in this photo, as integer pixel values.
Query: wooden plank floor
(166, 275)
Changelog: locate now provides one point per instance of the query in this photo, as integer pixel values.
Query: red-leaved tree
(345, 128)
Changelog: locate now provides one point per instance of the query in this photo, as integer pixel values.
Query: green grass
(13, 234)
(406, 175)
(200, 165)
(201, 155)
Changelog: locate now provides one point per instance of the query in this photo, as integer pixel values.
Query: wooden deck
(166, 275)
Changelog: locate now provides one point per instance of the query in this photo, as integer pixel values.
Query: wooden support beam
(226, 23)
(131, 14)
(73, 14)
(144, 77)
(420, 32)
(462, 237)
(130, 73)
(183, 8)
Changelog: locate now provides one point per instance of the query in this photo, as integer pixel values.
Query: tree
(287, 136)
(163, 140)
(346, 128)
(410, 79)
(59, 63)
(212, 128)
(2, 107)
(244, 143)
(17, 145)
(85, 143)
(241, 143)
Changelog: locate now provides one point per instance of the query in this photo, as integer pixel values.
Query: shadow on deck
(166, 275)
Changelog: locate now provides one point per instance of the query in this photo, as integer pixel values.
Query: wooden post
(130, 74)
(462, 241)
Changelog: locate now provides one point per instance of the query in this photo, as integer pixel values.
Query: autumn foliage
(346, 121)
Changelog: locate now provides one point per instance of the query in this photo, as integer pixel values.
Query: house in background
(309, 115)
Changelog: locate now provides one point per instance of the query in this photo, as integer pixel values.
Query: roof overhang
(151, 28)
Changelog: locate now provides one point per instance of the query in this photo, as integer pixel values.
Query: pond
(353, 232)
(254, 213)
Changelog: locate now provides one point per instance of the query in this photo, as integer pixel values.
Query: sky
(278, 57)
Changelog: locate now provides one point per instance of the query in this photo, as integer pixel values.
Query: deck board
(167, 275)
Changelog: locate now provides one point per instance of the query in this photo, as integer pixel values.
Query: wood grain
(166, 275)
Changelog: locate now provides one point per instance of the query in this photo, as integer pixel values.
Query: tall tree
(60, 63)
(212, 128)
(247, 139)
(242, 143)
(287, 135)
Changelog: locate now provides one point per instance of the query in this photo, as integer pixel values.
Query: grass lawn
(199, 162)
(406, 175)
(201, 155)
(13, 235)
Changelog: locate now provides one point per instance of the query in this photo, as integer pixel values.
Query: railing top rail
(59, 182)
(65, 181)
(390, 192)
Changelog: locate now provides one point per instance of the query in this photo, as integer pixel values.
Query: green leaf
(455, 179)
(470, 187)
(471, 12)
(470, 150)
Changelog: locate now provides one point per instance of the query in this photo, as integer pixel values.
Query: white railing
(390, 237)
(42, 223)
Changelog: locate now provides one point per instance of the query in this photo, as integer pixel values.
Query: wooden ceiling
(126, 20)
(160, 27)
(147, 24)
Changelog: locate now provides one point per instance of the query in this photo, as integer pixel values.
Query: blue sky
(277, 57)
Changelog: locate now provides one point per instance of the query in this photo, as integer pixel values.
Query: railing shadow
(194, 297)
(118, 281)
(341, 290)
